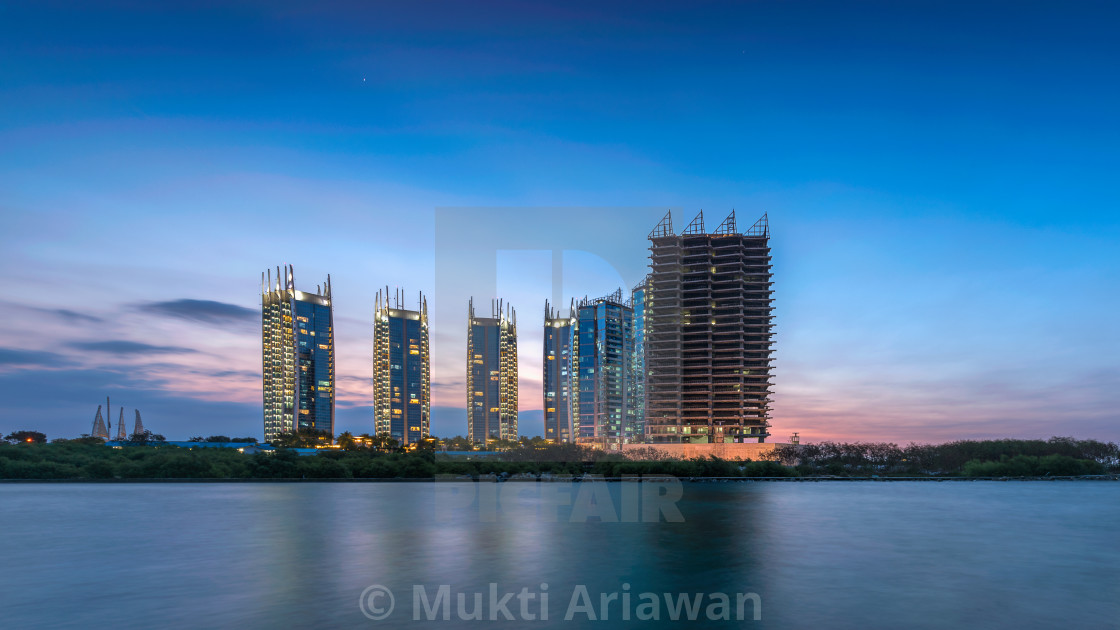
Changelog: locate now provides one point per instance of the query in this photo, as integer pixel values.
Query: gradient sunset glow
(939, 180)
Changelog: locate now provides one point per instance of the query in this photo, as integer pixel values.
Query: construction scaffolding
(709, 333)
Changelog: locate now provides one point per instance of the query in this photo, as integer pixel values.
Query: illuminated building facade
(604, 383)
(708, 333)
(638, 296)
(557, 382)
(401, 369)
(298, 360)
(491, 374)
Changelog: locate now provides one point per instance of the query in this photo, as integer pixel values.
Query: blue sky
(939, 179)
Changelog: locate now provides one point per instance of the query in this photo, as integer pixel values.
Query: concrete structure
(298, 360)
(491, 374)
(708, 333)
(401, 368)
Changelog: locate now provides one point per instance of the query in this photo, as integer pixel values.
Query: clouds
(128, 347)
(70, 316)
(61, 403)
(914, 236)
(874, 405)
(202, 311)
(32, 358)
(62, 314)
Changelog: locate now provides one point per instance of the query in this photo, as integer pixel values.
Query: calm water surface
(819, 555)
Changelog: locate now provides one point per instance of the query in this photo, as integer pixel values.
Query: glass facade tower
(298, 366)
(708, 333)
(401, 369)
(557, 382)
(638, 297)
(491, 374)
(604, 382)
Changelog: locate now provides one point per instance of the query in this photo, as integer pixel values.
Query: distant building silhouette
(298, 356)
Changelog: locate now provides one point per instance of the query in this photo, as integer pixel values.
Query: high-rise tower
(491, 374)
(297, 332)
(638, 299)
(604, 383)
(557, 387)
(708, 333)
(401, 369)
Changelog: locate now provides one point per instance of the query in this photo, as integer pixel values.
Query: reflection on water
(869, 555)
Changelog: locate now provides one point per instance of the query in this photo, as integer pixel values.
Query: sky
(939, 180)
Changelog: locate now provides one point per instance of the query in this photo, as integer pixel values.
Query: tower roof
(728, 227)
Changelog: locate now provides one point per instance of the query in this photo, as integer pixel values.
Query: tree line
(89, 458)
(1058, 456)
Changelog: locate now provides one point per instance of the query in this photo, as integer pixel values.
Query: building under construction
(708, 333)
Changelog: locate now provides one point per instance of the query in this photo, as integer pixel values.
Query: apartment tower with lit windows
(298, 360)
(708, 333)
(638, 297)
(557, 381)
(604, 383)
(401, 368)
(491, 374)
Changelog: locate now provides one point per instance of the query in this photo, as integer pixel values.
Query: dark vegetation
(88, 458)
(1058, 456)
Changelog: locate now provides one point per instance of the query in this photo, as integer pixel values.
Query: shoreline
(1111, 477)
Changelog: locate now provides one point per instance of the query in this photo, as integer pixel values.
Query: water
(818, 555)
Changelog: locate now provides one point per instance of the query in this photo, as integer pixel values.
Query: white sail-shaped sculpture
(99, 430)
